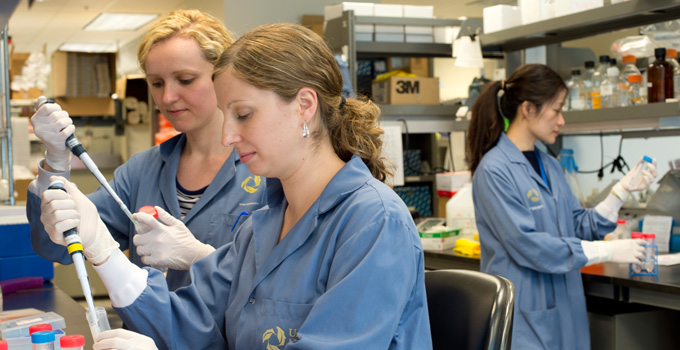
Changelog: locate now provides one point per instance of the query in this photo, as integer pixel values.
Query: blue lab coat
(348, 275)
(149, 178)
(531, 234)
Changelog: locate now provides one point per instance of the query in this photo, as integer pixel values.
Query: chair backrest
(469, 309)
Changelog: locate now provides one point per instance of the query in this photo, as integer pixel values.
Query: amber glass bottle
(659, 78)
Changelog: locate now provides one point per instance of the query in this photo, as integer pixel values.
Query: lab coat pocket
(541, 325)
(221, 225)
(283, 316)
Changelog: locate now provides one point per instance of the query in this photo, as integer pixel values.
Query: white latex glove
(637, 179)
(168, 243)
(61, 211)
(618, 251)
(122, 339)
(52, 125)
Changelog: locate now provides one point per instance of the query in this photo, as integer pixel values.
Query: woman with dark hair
(532, 229)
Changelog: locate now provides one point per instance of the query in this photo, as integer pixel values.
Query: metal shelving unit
(583, 24)
(423, 118)
(7, 7)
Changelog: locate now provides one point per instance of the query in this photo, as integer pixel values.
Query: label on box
(406, 91)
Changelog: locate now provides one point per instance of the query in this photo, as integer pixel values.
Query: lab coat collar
(514, 155)
(267, 221)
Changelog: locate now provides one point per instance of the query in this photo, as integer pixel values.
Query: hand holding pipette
(49, 119)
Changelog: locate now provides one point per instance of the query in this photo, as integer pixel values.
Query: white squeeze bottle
(460, 212)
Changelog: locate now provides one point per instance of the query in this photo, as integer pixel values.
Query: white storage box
(530, 10)
(419, 38)
(415, 11)
(422, 30)
(359, 8)
(449, 183)
(445, 34)
(389, 37)
(567, 7)
(363, 36)
(389, 28)
(384, 10)
(501, 17)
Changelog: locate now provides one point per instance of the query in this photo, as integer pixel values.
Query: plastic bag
(639, 46)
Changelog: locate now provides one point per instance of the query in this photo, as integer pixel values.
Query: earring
(305, 130)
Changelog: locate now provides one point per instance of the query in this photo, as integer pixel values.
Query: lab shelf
(422, 118)
(653, 115)
(583, 24)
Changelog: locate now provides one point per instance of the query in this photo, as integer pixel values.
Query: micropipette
(75, 248)
(78, 150)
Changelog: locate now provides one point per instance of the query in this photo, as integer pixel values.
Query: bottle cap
(612, 62)
(42, 337)
(635, 78)
(620, 222)
(649, 235)
(671, 52)
(629, 59)
(575, 72)
(604, 58)
(635, 235)
(72, 341)
(660, 52)
(3, 345)
(613, 71)
(647, 159)
(590, 64)
(39, 327)
(148, 209)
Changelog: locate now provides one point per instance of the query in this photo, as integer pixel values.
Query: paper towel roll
(133, 117)
(131, 103)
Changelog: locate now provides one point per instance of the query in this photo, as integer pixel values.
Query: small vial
(39, 327)
(151, 210)
(98, 321)
(643, 166)
(72, 342)
(637, 94)
(650, 264)
(42, 340)
(636, 268)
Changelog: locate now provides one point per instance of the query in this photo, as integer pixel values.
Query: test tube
(42, 340)
(636, 268)
(151, 210)
(72, 342)
(98, 321)
(650, 263)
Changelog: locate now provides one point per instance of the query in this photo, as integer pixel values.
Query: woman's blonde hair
(283, 58)
(210, 34)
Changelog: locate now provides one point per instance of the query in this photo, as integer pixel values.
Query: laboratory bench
(51, 298)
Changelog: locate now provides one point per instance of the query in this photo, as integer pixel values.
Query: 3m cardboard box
(406, 91)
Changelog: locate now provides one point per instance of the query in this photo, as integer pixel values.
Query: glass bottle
(576, 88)
(587, 78)
(599, 75)
(637, 93)
(610, 89)
(659, 78)
(629, 68)
(672, 58)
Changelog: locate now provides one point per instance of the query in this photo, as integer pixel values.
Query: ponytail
(353, 130)
(535, 83)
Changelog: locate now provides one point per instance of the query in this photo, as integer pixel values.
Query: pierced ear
(308, 101)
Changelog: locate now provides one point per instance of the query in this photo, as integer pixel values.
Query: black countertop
(608, 280)
(51, 298)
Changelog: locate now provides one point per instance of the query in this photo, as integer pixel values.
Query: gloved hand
(168, 243)
(61, 211)
(618, 251)
(122, 339)
(637, 179)
(52, 125)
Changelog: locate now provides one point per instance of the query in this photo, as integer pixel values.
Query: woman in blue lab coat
(532, 229)
(333, 262)
(199, 185)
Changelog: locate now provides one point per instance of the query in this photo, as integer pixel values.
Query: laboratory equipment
(3, 345)
(651, 263)
(39, 327)
(19, 327)
(621, 231)
(637, 94)
(638, 172)
(43, 340)
(672, 58)
(460, 212)
(148, 209)
(569, 169)
(75, 249)
(612, 89)
(577, 91)
(659, 78)
(98, 320)
(72, 342)
(636, 268)
(79, 151)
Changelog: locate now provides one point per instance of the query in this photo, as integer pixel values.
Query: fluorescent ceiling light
(120, 21)
(88, 47)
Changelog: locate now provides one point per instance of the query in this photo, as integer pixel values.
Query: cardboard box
(81, 74)
(314, 22)
(406, 91)
(449, 183)
(419, 66)
(418, 11)
(21, 189)
(87, 106)
(30, 94)
(501, 17)
(417, 197)
(388, 10)
(359, 8)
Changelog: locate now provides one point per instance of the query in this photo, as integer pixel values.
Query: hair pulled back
(535, 83)
(283, 58)
(207, 30)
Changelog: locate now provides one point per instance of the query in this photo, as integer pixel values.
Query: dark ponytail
(535, 83)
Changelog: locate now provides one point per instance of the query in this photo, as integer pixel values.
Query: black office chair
(469, 309)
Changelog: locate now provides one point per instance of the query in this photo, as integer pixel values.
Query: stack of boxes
(501, 17)
(17, 258)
